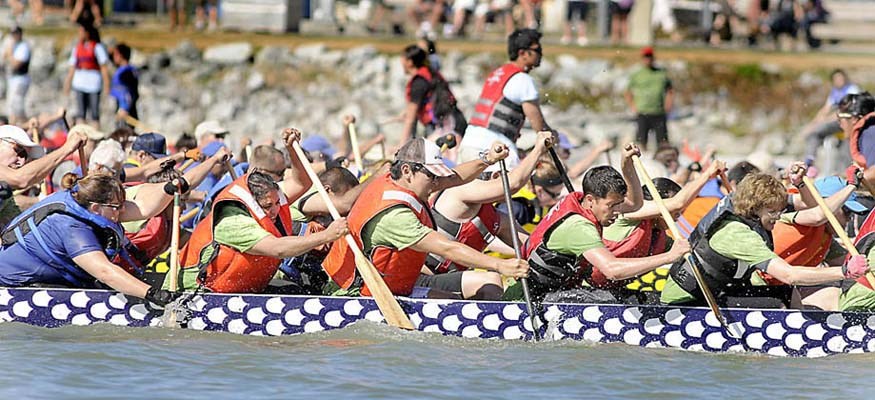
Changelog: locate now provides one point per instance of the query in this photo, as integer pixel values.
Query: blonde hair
(756, 192)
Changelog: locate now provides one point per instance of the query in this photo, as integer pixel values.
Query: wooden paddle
(354, 143)
(834, 223)
(189, 214)
(185, 164)
(673, 227)
(516, 249)
(395, 316)
(173, 268)
(230, 169)
(725, 181)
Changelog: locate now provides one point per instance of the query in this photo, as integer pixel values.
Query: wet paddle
(356, 151)
(386, 302)
(173, 270)
(561, 168)
(836, 226)
(673, 227)
(516, 249)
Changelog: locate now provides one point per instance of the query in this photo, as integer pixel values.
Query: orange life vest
(399, 268)
(698, 208)
(799, 245)
(230, 271)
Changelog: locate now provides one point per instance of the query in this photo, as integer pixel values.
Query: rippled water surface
(374, 361)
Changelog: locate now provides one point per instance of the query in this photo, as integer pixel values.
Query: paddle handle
(505, 182)
(356, 151)
(189, 214)
(834, 223)
(230, 169)
(725, 181)
(83, 163)
(561, 168)
(174, 245)
(395, 316)
(673, 227)
(185, 164)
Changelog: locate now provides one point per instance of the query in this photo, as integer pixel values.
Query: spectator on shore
(88, 74)
(577, 8)
(16, 57)
(620, 10)
(87, 12)
(125, 82)
(650, 97)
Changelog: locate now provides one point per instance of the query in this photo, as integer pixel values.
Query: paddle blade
(388, 305)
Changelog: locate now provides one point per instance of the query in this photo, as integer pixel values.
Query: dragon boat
(792, 333)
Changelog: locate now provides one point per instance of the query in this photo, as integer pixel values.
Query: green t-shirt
(295, 208)
(575, 235)
(733, 240)
(395, 227)
(620, 229)
(133, 226)
(648, 87)
(236, 229)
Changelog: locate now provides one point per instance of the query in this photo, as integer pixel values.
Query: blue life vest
(25, 231)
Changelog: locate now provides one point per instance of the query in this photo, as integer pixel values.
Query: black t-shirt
(419, 88)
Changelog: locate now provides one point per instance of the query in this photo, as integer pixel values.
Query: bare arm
(682, 199)
(466, 172)
(104, 73)
(68, 81)
(291, 246)
(532, 111)
(623, 268)
(630, 101)
(316, 206)
(36, 170)
(409, 126)
(297, 182)
(793, 275)
(581, 166)
(815, 217)
(139, 174)
(669, 100)
(634, 196)
(97, 265)
(463, 255)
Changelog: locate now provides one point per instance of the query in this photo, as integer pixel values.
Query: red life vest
(151, 240)
(86, 57)
(569, 206)
(493, 111)
(475, 233)
(645, 240)
(425, 112)
(854, 140)
(864, 243)
(230, 271)
(399, 268)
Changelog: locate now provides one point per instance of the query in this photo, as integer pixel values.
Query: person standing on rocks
(125, 82)
(650, 96)
(16, 57)
(88, 74)
(508, 98)
(429, 99)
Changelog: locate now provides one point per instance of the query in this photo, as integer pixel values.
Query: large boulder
(229, 54)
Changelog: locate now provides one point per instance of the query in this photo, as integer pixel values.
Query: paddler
(238, 247)
(566, 249)
(466, 214)
(804, 238)
(393, 223)
(734, 240)
(860, 295)
(69, 238)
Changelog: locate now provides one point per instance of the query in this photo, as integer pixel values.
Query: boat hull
(774, 332)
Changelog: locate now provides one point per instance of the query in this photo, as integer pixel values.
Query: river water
(368, 360)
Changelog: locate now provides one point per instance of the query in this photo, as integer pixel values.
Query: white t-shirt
(86, 80)
(519, 88)
(21, 52)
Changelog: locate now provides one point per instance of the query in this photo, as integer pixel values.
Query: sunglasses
(539, 50)
(551, 194)
(19, 150)
(115, 207)
(421, 168)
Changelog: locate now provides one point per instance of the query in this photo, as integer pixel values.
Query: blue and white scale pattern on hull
(774, 332)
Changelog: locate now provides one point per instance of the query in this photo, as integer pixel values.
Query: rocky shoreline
(257, 91)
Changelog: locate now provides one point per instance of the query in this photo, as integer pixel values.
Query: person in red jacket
(429, 100)
(88, 75)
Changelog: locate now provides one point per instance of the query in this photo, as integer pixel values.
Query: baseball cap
(564, 142)
(209, 127)
(831, 185)
(17, 135)
(647, 51)
(89, 131)
(152, 143)
(317, 143)
(210, 149)
(424, 152)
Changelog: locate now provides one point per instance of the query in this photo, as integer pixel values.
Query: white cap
(89, 131)
(424, 152)
(209, 127)
(17, 135)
